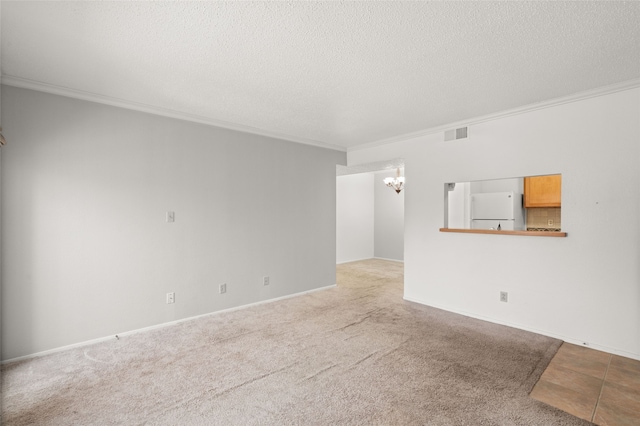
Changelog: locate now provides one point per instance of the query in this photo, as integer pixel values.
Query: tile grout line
(593, 414)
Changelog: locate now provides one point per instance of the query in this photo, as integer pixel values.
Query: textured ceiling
(334, 73)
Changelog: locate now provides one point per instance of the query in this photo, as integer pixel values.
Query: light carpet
(355, 354)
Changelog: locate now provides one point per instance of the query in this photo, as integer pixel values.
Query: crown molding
(165, 112)
(24, 83)
(600, 91)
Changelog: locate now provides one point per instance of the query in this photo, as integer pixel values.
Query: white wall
(459, 208)
(86, 250)
(583, 288)
(498, 185)
(354, 217)
(389, 219)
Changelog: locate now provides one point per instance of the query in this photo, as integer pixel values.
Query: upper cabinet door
(543, 191)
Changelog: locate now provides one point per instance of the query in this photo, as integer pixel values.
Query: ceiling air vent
(454, 134)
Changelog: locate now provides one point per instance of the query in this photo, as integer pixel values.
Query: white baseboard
(390, 260)
(567, 339)
(352, 260)
(368, 258)
(157, 326)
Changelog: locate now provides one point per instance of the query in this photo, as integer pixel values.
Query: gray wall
(86, 250)
(389, 219)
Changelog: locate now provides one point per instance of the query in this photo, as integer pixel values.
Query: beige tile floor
(592, 385)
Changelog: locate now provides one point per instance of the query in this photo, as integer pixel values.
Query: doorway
(369, 215)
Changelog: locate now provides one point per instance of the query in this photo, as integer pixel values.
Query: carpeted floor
(356, 354)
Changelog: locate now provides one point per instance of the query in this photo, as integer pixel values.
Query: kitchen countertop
(492, 231)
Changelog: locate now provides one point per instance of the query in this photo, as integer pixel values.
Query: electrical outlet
(223, 288)
(171, 298)
(504, 296)
(550, 222)
(171, 217)
(265, 280)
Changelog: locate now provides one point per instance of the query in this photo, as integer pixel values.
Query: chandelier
(396, 183)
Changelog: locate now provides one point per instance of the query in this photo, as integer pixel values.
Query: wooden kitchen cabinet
(543, 191)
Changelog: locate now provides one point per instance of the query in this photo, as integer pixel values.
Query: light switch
(171, 217)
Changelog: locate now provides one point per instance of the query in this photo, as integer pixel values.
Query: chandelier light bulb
(397, 183)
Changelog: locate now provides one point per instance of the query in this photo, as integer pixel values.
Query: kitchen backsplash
(539, 219)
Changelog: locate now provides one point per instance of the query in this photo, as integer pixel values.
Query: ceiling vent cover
(455, 134)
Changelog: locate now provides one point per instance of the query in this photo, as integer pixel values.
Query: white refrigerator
(497, 210)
